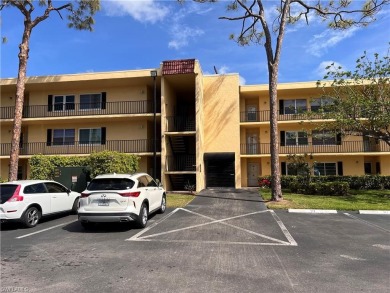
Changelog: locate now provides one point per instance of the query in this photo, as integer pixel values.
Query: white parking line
(43, 230)
(366, 222)
(291, 241)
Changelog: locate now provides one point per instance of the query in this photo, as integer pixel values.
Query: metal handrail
(181, 163)
(262, 116)
(180, 123)
(77, 147)
(81, 109)
(310, 148)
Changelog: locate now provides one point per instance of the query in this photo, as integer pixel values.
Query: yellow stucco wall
(199, 112)
(221, 117)
(385, 165)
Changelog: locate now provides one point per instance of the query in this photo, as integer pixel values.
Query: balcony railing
(180, 123)
(262, 116)
(344, 147)
(77, 109)
(181, 163)
(123, 146)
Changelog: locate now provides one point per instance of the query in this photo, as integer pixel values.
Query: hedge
(331, 185)
(43, 166)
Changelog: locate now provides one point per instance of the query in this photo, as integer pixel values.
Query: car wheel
(75, 206)
(143, 216)
(163, 204)
(31, 217)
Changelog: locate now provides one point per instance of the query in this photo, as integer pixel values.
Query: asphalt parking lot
(223, 241)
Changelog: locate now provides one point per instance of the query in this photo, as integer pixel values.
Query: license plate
(103, 203)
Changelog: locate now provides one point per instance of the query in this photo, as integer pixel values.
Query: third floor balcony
(264, 116)
(81, 109)
(310, 148)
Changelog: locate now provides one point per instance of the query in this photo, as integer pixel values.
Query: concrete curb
(371, 212)
(311, 211)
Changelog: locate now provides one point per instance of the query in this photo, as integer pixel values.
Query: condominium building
(211, 131)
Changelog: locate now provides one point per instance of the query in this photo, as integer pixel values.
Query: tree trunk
(273, 97)
(19, 101)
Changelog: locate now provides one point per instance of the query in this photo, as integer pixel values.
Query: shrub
(264, 182)
(112, 162)
(43, 167)
(354, 182)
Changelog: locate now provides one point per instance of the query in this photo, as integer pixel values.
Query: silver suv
(121, 198)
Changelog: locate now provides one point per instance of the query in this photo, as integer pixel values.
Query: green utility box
(75, 178)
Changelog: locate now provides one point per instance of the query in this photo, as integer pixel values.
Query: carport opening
(220, 169)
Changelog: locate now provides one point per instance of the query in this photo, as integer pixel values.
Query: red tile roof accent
(178, 66)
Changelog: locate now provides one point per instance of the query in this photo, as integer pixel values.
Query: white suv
(121, 198)
(27, 200)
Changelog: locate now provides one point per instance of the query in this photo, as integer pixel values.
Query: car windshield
(7, 191)
(110, 184)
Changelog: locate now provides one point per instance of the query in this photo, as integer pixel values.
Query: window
(323, 137)
(90, 136)
(61, 103)
(63, 136)
(142, 181)
(325, 169)
(111, 184)
(55, 188)
(90, 101)
(35, 188)
(321, 104)
(151, 182)
(293, 106)
(251, 113)
(296, 138)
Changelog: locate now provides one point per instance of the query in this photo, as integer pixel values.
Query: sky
(131, 35)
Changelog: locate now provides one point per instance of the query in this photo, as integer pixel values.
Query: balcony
(123, 146)
(181, 163)
(77, 109)
(344, 147)
(180, 123)
(264, 116)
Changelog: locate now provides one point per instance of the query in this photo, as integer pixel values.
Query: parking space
(224, 241)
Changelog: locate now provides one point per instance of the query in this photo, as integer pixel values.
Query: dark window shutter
(338, 138)
(50, 103)
(48, 137)
(282, 138)
(340, 168)
(103, 100)
(21, 140)
(378, 168)
(284, 168)
(281, 107)
(103, 135)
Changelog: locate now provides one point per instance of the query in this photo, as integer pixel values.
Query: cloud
(242, 80)
(181, 34)
(321, 70)
(327, 39)
(142, 11)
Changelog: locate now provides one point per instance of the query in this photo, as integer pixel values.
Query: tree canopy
(265, 23)
(359, 100)
(80, 16)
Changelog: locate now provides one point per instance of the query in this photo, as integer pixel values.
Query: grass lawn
(178, 200)
(357, 200)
